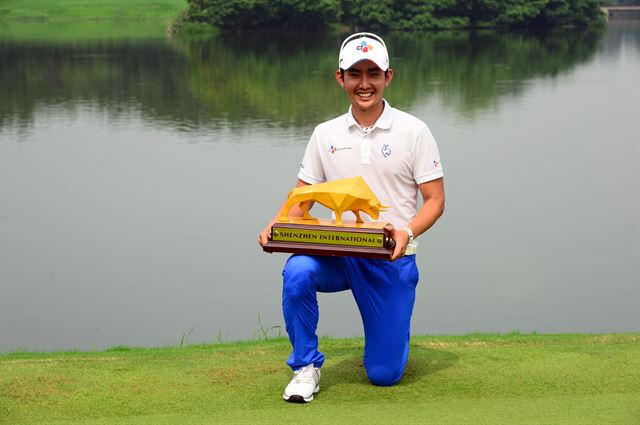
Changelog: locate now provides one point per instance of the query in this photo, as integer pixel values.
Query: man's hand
(401, 239)
(431, 209)
(264, 235)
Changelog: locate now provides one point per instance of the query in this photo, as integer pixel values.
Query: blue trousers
(384, 292)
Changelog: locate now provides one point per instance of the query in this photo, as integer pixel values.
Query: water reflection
(114, 76)
(280, 80)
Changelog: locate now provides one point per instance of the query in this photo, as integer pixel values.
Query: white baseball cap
(363, 46)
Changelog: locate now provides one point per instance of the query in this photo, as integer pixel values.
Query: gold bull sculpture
(352, 194)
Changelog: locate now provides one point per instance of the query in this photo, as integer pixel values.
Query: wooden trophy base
(324, 237)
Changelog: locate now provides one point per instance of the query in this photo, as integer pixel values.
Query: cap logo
(364, 47)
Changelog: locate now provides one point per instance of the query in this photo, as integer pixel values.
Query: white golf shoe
(304, 384)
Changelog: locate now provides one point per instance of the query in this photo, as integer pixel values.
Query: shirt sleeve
(427, 165)
(311, 170)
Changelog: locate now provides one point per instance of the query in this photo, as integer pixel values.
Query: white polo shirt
(396, 155)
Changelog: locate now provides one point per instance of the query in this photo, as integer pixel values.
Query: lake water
(136, 173)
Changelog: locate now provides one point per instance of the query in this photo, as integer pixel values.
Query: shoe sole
(296, 398)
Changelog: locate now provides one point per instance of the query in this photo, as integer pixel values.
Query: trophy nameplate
(323, 237)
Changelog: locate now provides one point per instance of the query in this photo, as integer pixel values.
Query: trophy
(315, 236)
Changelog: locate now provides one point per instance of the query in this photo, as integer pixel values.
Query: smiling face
(364, 83)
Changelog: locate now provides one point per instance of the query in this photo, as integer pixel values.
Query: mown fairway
(475, 379)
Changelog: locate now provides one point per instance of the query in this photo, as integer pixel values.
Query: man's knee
(386, 355)
(384, 376)
(298, 275)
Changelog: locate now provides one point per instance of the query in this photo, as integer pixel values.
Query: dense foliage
(408, 15)
(311, 14)
(427, 14)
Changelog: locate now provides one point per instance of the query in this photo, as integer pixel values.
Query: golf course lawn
(472, 379)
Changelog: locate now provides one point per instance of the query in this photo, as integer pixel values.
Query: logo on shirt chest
(386, 150)
(334, 149)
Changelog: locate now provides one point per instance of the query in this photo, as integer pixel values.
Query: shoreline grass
(162, 11)
(87, 20)
(475, 379)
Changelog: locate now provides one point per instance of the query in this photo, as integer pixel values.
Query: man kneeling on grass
(397, 156)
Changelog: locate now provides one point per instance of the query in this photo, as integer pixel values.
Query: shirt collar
(384, 121)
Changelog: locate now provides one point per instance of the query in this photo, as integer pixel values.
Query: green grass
(90, 20)
(74, 10)
(473, 379)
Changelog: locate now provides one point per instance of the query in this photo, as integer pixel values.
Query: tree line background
(404, 15)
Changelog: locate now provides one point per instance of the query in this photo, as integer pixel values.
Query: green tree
(405, 15)
(246, 14)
